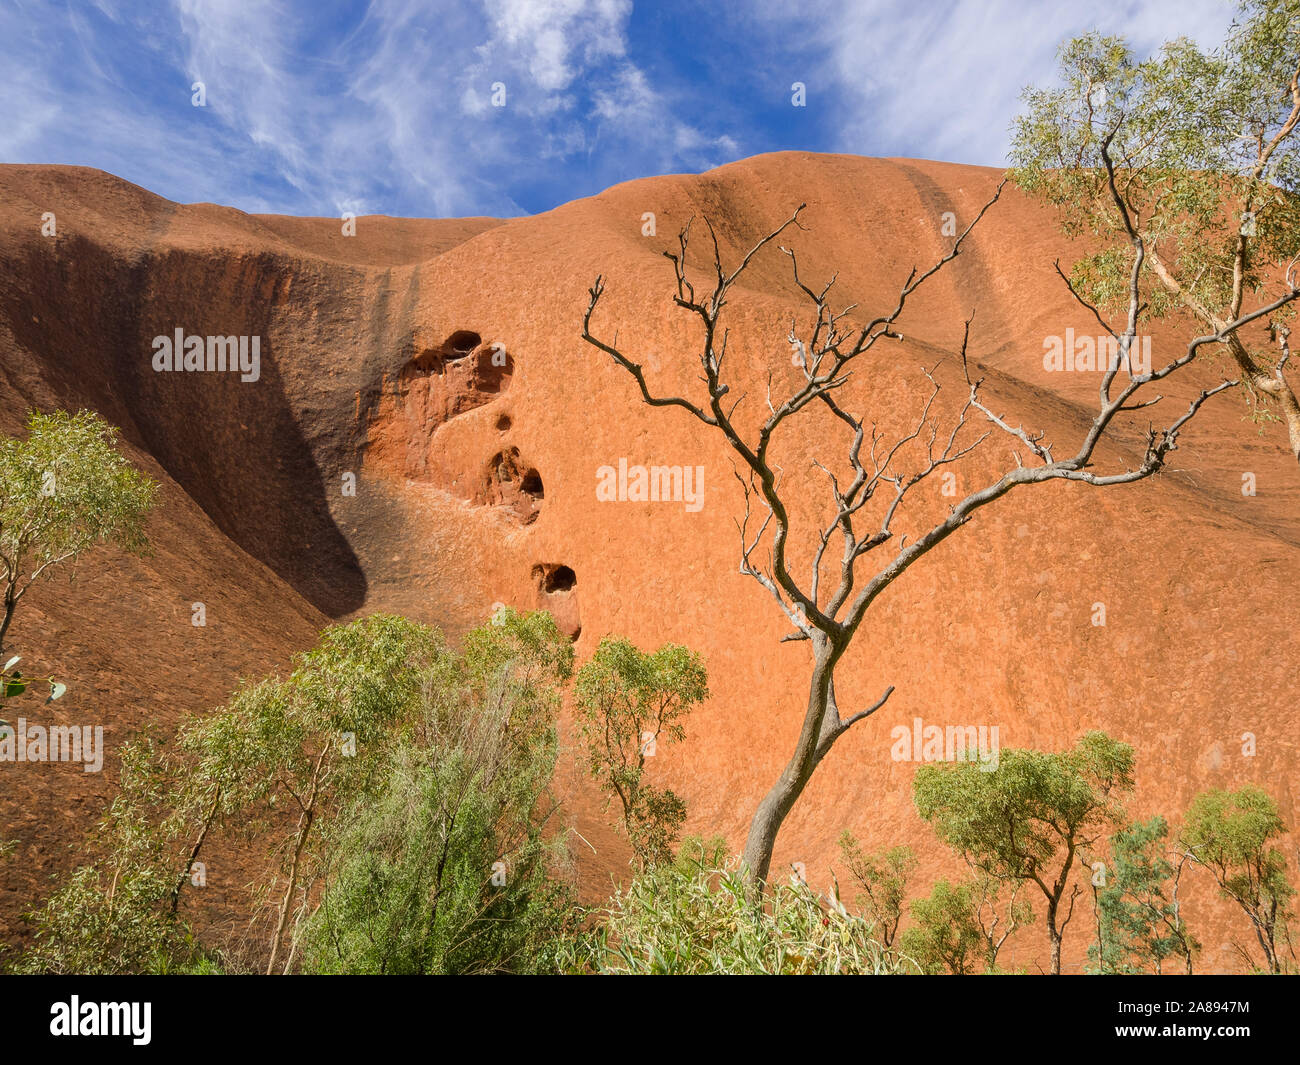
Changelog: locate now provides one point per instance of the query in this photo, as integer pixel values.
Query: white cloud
(241, 51)
(544, 35)
(394, 114)
(943, 80)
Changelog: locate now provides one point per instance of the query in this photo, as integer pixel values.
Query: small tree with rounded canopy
(1229, 833)
(628, 701)
(946, 937)
(64, 490)
(1030, 818)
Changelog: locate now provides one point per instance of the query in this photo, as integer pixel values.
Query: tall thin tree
(865, 509)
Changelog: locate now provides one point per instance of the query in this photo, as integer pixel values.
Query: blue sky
(318, 107)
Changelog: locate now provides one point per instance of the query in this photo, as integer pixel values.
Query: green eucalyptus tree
(388, 773)
(1195, 155)
(452, 864)
(629, 702)
(1032, 818)
(1230, 834)
(946, 937)
(1140, 920)
(63, 490)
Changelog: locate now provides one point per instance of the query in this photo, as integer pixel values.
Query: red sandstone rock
(377, 361)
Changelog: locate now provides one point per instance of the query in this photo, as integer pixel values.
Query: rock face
(435, 366)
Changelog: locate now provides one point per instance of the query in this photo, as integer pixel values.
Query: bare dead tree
(866, 509)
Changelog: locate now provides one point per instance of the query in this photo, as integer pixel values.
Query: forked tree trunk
(1055, 926)
(778, 802)
(304, 827)
(282, 919)
(825, 369)
(1264, 933)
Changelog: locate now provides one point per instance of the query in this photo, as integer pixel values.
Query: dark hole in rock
(531, 485)
(557, 579)
(503, 423)
(462, 342)
(557, 593)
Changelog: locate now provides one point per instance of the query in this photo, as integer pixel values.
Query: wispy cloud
(943, 80)
(392, 106)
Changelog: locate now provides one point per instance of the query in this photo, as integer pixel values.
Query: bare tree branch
(932, 441)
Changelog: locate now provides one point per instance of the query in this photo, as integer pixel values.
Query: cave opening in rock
(531, 485)
(557, 593)
(557, 579)
(462, 342)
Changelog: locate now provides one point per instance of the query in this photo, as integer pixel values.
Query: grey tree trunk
(829, 621)
(777, 803)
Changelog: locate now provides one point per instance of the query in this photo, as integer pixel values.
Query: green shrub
(407, 770)
(698, 917)
(946, 937)
(447, 869)
(114, 916)
(627, 700)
